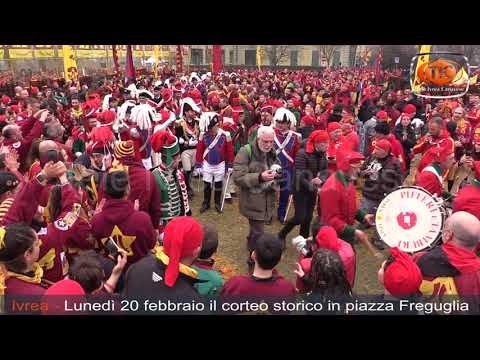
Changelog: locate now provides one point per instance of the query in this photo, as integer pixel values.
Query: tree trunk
(273, 55)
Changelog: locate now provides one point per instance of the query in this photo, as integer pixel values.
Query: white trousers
(213, 172)
(188, 159)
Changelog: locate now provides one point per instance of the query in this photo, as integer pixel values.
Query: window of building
(250, 57)
(294, 58)
(209, 56)
(231, 57)
(223, 56)
(315, 58)
(336, 58)
(43, 64)
(352, 52)
(197, 57)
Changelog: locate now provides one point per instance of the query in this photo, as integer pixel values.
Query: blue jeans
(286, 185)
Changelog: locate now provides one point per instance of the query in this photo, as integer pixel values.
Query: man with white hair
(18, 93)
(73, 90)
(18, 90)
(24, 94)
(254, 172)
(453, 268)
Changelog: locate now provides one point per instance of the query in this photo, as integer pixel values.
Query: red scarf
(463, 260)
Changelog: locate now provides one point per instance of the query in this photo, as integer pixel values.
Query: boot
(188, 175)
(207, 194)
(218, 197)
(282, 235)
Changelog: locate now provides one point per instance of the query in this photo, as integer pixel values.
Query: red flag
(179, 59)
(130, 70)
(115, 60)
(378, 65)
(217, 59)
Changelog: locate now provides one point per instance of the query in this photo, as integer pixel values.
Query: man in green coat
(254, 173)
(169, 179)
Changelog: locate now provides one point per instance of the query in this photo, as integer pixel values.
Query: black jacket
(410, 141)
(145, 279)
(308, 166)
(334, 118)
(305, 131)
(382, 176)
(366, 111)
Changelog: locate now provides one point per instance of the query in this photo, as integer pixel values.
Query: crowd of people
(96, 182)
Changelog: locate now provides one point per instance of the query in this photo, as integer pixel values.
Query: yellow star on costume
(48, 260)
(124, 241)
(438, 287)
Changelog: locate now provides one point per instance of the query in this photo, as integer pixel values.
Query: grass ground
(232, 254)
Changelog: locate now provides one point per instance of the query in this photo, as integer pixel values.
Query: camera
(51, 109)
(52, 155)
(278, 171)
(469, 152)
(303, 246)
(112, 247)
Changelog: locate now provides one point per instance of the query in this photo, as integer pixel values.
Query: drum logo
(407, 220)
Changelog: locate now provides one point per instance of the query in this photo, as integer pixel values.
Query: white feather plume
(143, 115)
(190, 102)
(133, 90)
(122, 110)
(106, 102)
(194, 75)
(279, 117)
(205, 119)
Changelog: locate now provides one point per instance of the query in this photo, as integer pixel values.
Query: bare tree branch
(277, 54)
(327, 51)
(283, 53)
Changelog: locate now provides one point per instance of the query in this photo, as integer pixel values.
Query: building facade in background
(38, 58)
(277, 55)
